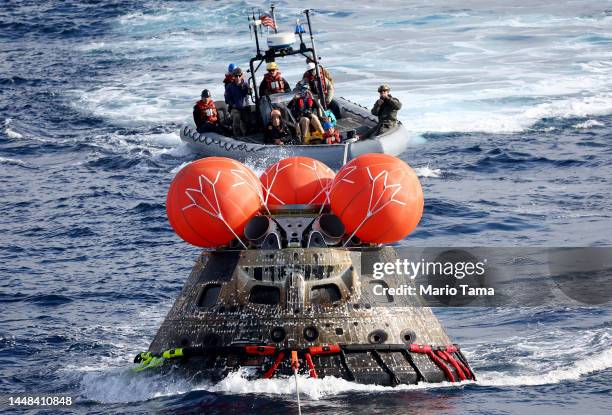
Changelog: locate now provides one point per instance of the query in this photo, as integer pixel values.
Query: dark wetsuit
(386, 110)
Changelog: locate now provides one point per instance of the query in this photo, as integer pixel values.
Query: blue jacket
(236, 95)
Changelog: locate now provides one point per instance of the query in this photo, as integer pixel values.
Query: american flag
(267, 20)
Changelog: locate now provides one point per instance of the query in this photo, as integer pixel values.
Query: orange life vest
(331, 138)
(274, 83)
(207, 111)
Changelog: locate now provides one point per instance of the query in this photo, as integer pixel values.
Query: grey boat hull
(355, 117)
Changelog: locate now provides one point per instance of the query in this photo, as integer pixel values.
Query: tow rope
(295, 365)
(446, 358)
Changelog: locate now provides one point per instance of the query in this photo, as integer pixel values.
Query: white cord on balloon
(373, 207)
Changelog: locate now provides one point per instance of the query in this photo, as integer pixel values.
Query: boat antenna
(254, 24)
(316, 61)
(273, 17)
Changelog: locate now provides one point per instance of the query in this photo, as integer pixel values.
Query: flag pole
(273, 17)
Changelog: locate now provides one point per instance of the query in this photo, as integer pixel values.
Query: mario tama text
(433, 278)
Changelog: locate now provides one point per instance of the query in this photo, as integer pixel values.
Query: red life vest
(229, 78)
(307, 103)
(274, 83)
(312, 81)
(207, 112)
(331, 138)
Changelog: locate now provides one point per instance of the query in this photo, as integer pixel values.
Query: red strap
(451, 348)
(420, 348)
(466, 370)
(260, 350)
(277, 361)
(441, 365)
(313, 372)
(327, 349)
(453, 362)
(295, 363)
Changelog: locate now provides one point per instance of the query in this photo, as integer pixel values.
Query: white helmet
(311, 66)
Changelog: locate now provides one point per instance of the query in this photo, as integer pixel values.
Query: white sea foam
(588, 124)
(12, 134)
(9, 132)
(178, 168)
(121, 385)
(428, 172)
(573, 371)
(17, 162)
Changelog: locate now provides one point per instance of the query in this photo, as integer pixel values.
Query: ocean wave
(570, 372)
(16, 162)
(588, 124)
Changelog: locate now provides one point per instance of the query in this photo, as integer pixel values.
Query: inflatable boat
(354, 122)
(286, 284)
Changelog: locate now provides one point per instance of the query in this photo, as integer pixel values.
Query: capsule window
(209, 295)
(262, 294)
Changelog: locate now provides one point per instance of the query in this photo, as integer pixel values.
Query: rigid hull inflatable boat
(252, 308)
(354, 122)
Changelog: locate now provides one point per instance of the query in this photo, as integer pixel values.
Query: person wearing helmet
(331, 135)
(273, 81)
(229, 76)
(205, 114)
(306, 110)
(385, 108)
(237, 100)
(276, 130)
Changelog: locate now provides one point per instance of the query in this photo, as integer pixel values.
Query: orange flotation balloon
(211, 200)
(297, 180)
(378, 198)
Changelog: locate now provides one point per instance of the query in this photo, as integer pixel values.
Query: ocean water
(510, 110)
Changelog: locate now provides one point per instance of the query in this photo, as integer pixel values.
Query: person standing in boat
(310, 76)
(276, 131)
(205, 114)
(273, 81)
(237, 99)
(306, 110)
(385, 108)
(229, 75)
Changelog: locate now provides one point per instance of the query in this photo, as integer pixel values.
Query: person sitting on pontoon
(331, 135)
(385, 108)
(205, 114)
(273, 82)
(276, 131)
